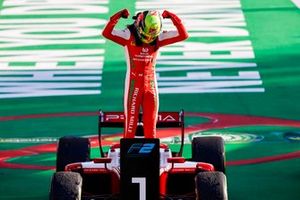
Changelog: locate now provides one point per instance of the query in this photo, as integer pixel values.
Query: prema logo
(114, 117)
(162, 117)
(168, 118)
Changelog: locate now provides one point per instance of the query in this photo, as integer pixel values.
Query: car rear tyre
(66, 186)
(211, 186)
(209, 149)
(70, 150)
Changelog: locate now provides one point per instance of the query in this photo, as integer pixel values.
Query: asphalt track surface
(250, 97)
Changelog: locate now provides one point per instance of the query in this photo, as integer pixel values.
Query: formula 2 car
(139, 168)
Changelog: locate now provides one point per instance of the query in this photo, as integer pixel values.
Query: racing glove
(172, 16)
(122, 13)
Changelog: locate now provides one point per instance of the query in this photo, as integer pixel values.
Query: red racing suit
(140, 82)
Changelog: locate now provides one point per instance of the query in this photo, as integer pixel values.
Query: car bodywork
(177, 176)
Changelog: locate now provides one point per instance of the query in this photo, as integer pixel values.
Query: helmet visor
(147, 38)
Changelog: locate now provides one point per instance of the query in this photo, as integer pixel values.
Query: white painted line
(28, 140)
(297, 3)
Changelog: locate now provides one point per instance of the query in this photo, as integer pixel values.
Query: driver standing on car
(141, 41)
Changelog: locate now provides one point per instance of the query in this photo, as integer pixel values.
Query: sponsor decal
(145, 50)
(138, 149)
(168, 118)
(114, 117)
(132, 111)
(162, 117)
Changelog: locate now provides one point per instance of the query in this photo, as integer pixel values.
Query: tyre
(71, 150)
(211, 186)
(211, 150)
(66, 186)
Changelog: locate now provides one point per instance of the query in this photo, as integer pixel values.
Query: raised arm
(170, 37)
(119, 36)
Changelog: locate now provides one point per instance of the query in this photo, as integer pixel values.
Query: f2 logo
(141, 148)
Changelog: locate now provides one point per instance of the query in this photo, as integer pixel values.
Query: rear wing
(164, 120)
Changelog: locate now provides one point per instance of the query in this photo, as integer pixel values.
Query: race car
(139, 168)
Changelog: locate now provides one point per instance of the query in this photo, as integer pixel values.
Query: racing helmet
(148, 25)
